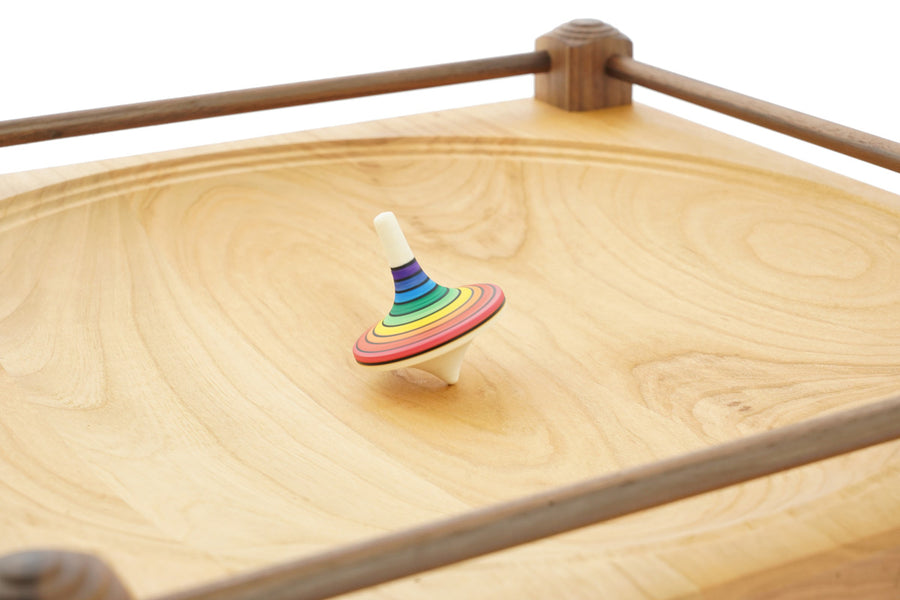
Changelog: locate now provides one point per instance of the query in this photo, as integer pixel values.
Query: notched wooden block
(577, 79)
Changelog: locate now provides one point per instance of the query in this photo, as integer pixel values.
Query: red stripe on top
(403, 346)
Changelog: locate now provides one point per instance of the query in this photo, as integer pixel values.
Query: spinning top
(430, 326)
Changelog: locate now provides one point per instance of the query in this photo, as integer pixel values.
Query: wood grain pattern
(178, 392)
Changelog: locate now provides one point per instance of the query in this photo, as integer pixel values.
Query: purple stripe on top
(406, 270)
(411, 282)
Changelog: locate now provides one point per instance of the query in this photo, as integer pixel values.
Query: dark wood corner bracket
(582, 65)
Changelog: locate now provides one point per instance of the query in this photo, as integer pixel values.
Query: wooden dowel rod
(35, 129)
(855, 143)
(563, 509)
(852, 142)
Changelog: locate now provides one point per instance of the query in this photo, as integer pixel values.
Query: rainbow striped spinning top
(429, 326)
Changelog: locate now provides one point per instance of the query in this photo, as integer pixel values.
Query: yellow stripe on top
(464, 294)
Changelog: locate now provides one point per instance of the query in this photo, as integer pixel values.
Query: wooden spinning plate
(179, 396)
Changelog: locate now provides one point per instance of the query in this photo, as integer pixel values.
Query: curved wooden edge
(852, 142)
(563, 509)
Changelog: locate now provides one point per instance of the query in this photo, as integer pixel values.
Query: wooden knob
(577, 79)
(54, 575)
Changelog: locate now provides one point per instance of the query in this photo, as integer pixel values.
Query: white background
(838, 61)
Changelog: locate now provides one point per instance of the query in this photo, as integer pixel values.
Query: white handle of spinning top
(393, 240)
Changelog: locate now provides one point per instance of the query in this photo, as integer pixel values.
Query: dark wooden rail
(563, 509)
(574, 75)
(502, 526)
(113, 118)
(852, 142)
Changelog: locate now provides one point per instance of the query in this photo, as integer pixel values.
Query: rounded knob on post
(56, 575)
(577, 79)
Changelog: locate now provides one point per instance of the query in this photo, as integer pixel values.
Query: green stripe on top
(425, 308)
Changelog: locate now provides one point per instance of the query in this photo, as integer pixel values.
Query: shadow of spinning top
(430, 326)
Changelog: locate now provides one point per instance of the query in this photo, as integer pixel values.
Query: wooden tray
(178, 393)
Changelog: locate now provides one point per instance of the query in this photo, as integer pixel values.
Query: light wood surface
(178, 393)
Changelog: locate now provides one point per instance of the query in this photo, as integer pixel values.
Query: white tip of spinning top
(395, 245)
(444, 362)
(447, 365)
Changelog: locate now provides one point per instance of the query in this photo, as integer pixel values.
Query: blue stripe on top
(410, 282)
(416, 292)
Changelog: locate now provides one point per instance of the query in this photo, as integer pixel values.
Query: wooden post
(577, 79)
(53, 575)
